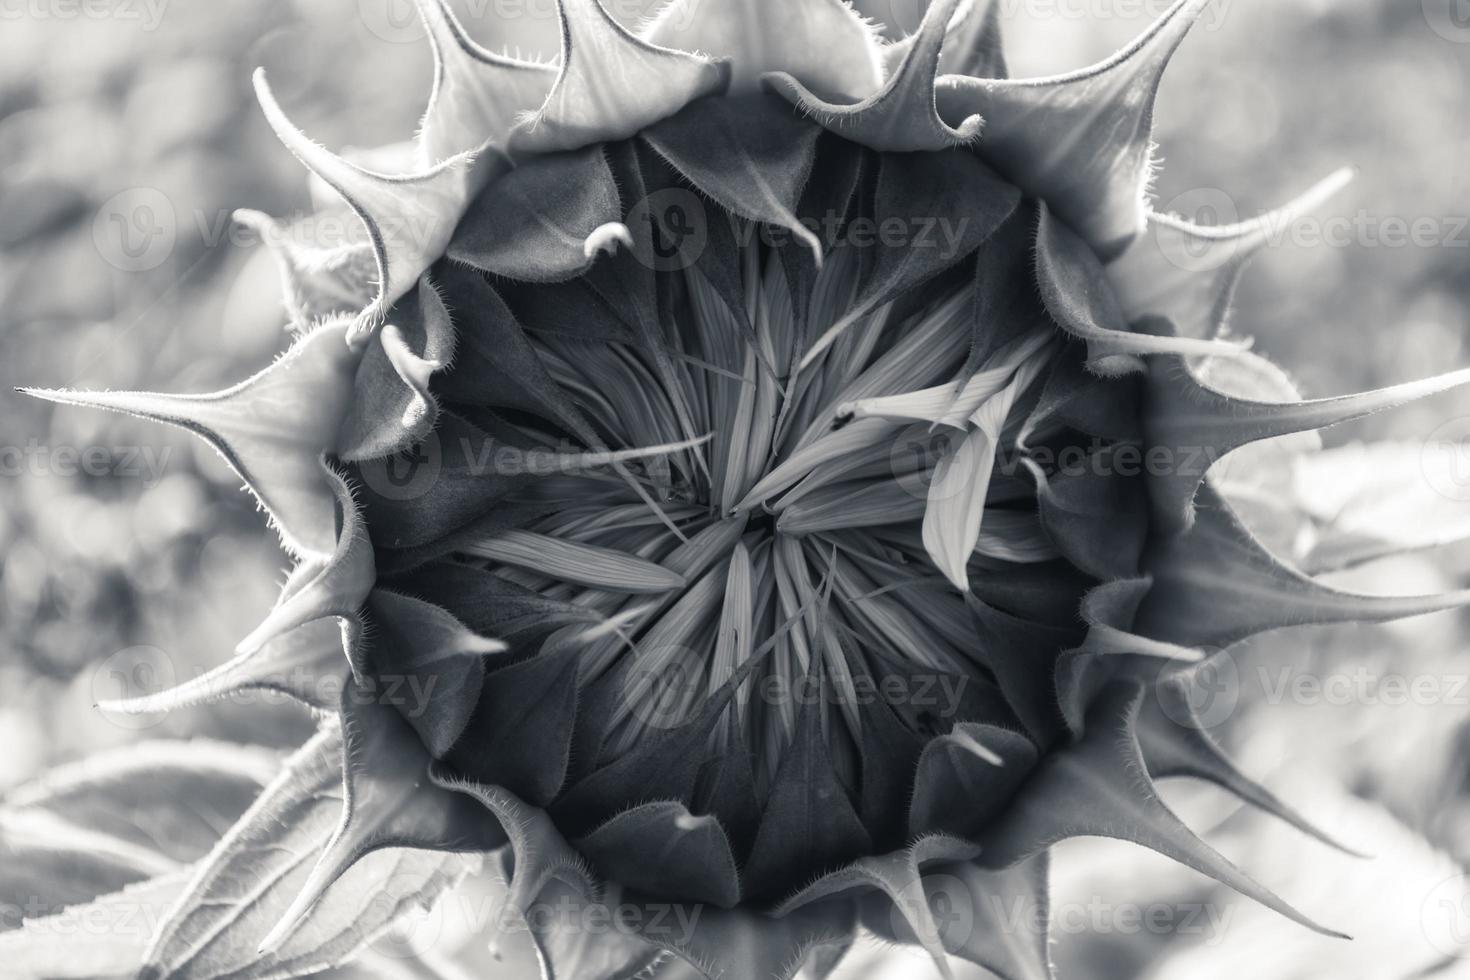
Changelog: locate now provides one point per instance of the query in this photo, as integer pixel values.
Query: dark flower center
(748, 576)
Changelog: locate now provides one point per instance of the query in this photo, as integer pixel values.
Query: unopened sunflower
(775, 458)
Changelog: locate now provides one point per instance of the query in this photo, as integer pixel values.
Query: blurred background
(129, 559)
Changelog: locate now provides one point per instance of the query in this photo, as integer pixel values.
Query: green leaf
(50, 862)
(1370, 501)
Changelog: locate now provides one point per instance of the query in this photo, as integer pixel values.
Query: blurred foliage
(159, 562)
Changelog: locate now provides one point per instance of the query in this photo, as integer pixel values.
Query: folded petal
(535, 223)
(392, 408)
(1076, 290)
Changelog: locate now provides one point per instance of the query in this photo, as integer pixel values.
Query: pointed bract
(902, 116)
(388, 801)
(1185, 414)
(1175, 742)
(611, 84)
(1076, 291)
(1080, 141)
(317, 281)
(477, 94)
(409, 218)
(1092, 789)
(1215, 585)
(272, 430)
(1187, 273)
